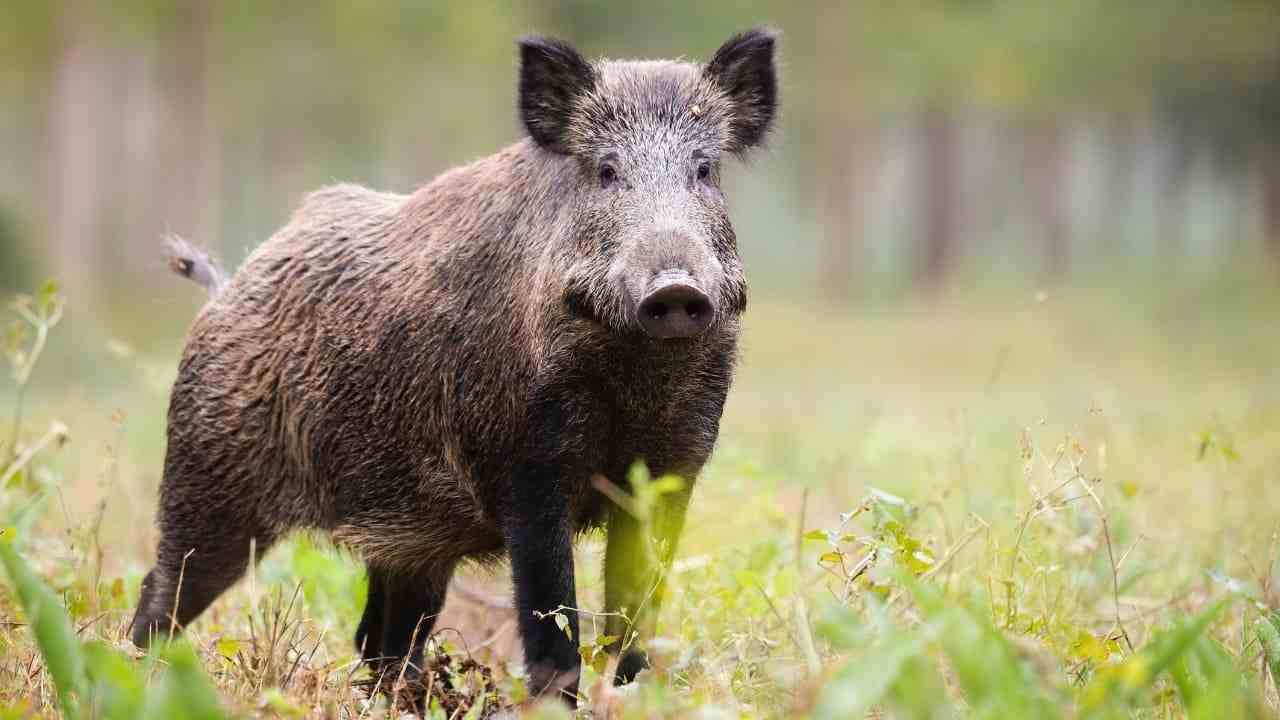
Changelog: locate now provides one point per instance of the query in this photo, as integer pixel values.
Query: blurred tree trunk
(1121, 144)
(73, 180)
(1271, 200)
(841, 146)
(940, 158)
(190, 175)
(138, 159)
(1230, 177)
(1044, 163)
(1171, 204)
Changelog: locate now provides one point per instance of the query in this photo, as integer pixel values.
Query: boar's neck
(486, 230)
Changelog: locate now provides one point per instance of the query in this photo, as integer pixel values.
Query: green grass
(992, 504)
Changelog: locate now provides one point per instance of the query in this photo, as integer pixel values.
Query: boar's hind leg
(201, 554)
(399, 614)
(369, 631)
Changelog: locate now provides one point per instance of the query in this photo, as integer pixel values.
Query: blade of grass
(1267, 628)
(184, 693)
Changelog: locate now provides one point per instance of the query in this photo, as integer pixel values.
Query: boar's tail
(195, 264)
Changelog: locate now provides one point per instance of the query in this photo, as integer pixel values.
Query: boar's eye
(607, 175)
(704, 170)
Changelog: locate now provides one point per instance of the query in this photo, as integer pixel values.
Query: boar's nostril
(698, 308)
(675, 310)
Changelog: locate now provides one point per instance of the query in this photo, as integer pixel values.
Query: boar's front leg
(637, 558)
(538, 529)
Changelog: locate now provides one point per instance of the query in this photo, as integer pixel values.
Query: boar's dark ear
(744, 69)
(552, 77)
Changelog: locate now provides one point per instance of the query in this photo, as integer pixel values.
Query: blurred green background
(1068, 203)
(920, 141)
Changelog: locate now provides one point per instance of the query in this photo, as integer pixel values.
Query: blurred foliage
(288, 97)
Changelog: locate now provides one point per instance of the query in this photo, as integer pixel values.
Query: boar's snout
(674, 307)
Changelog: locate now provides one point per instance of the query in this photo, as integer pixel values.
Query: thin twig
(1111, 557)
(615, 494)
(56, 433)
(502, 629)
(288, 678)
(774, 609)
(177, 593)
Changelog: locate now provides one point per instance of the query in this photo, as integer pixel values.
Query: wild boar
(438, 377)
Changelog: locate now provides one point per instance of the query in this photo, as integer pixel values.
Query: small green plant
(95, 681)
(91, 679)
(25, 341)
(947, 649)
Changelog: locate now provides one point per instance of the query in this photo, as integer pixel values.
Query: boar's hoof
(545, 681)
(632, 662)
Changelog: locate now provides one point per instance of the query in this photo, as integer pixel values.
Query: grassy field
(993, 504)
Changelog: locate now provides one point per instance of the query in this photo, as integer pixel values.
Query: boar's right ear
(743, 67)
(552, 78)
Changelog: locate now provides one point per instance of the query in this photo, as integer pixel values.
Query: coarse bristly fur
(438, 376)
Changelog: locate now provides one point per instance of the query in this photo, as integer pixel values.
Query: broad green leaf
(748, 579)
(785, 581)
(667, 484)
(1172, 644)
(1185, 672)
(227, 647)
(46, 296)
(562, 622)
(57, 641)
(843, 628)
(863, 682)
(184, 692)
(988, 671)
(1174, 650)
(1227, 693)
(919, 693)
(117, 688)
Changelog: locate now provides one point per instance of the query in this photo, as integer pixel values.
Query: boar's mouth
(582, 304)
(578, 302)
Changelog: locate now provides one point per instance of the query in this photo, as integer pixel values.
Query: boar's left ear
(552, 78)
(744, 69)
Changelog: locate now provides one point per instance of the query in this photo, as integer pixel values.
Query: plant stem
(17, 422)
